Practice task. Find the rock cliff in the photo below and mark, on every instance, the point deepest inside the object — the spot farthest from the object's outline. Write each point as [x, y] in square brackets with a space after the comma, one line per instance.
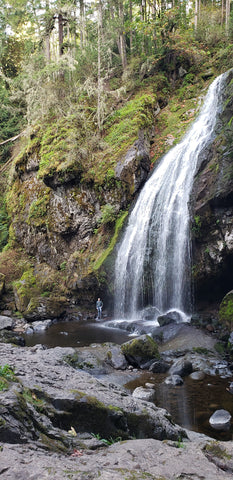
[212, 202]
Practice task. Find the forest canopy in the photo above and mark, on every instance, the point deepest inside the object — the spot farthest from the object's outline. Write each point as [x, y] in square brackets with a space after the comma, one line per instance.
[76, 57]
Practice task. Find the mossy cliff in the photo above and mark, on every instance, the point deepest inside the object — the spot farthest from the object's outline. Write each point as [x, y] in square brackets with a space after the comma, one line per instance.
[70, 190]
[68, 196]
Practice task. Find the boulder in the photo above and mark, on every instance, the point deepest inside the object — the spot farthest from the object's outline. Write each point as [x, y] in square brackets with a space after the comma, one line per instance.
[181, 367]
[147, 394]
[159, 366]
[197, 376]
[116, 358]
[220, 420]
[140, 350]
[6, 323]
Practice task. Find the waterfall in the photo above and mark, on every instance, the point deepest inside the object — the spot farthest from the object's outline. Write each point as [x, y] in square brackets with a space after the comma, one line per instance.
[153, 265]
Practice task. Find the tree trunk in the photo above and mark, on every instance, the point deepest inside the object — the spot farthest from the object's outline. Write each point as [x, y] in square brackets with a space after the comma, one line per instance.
[99, 92]
[227, 15]
[130, 33]
[60, 34]
[82, 24]
[121, 41]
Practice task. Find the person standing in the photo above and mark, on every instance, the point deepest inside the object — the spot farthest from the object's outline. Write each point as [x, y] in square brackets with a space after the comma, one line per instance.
[99, 306]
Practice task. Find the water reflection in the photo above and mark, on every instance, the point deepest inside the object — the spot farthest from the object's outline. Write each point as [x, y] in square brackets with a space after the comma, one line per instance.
[74, 334]
[192, 404]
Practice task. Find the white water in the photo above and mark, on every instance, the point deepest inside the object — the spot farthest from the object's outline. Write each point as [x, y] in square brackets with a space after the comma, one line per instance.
[153, 266]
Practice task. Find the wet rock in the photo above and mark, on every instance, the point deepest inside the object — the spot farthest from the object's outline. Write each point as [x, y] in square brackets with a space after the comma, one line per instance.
[159, 366]
[197, 376]
[6, 322]
[230, 388]
[41, 326]
[174, 380]
[168, 318]
[220, 420]
[181, 367]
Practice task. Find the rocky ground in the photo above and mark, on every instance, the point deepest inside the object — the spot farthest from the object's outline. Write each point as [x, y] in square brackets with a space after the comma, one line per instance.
[59, 421]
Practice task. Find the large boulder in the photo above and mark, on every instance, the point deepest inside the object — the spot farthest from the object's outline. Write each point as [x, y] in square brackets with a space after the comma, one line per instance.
[140, 350]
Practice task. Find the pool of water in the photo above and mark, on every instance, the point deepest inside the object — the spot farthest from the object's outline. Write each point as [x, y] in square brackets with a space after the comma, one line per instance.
[74, 334]
[192, 404]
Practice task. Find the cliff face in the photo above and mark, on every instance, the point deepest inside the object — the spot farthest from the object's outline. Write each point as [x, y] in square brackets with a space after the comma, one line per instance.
[66, 215]
[212, 227]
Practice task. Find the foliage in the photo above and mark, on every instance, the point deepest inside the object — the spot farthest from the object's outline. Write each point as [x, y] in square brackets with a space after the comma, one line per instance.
[127, 121]
[6, 375]
[109, 441]
[104, 254]
[108, 214]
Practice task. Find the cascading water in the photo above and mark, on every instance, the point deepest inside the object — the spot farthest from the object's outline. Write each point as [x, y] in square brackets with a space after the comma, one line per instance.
[153, 265]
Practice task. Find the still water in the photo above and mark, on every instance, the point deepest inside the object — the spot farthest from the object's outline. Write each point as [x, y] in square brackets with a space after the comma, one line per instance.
[74, 334]
[190, 405]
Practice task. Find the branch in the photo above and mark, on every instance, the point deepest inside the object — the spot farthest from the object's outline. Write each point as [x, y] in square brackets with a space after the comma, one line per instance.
[12, 139]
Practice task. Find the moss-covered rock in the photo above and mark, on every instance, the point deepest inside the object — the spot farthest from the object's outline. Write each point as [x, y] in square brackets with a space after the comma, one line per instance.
[226, 311]
[140, 350]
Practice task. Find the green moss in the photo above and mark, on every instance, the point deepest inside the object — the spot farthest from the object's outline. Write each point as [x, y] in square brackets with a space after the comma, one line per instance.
[127, 121]
[60, 150]
[201, 350]
[144, 347]
[104, 254]
[38, 208]
[30, 397]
